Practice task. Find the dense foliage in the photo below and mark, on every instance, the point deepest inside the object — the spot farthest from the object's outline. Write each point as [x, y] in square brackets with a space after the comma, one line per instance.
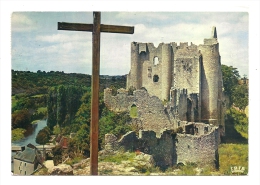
[113, 123]
[63, 103]
[239, 96]
[30, 92]
[21, 119]
[43, 136]
[31, 83]
[236, 120]
[237, 93]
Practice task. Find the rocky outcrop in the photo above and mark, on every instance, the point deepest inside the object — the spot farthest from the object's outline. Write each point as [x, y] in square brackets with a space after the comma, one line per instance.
[61, 169]
[139, 164]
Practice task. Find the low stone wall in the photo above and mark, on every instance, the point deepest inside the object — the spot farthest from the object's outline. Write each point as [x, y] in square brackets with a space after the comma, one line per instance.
[200, 147]
[169, 149]
[150, 109]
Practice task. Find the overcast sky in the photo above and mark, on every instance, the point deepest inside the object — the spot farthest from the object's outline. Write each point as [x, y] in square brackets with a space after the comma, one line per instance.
[38, 45]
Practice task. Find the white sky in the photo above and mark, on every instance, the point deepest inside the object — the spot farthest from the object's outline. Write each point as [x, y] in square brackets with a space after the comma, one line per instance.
[37, 45]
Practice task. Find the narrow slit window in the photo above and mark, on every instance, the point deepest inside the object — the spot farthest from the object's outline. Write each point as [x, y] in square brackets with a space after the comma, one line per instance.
[155, 61]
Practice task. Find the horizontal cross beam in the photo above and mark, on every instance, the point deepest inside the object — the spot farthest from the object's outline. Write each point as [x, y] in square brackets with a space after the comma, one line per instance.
[89, 27]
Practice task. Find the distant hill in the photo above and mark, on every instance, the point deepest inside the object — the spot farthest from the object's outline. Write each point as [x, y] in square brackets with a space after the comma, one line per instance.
[33, 83]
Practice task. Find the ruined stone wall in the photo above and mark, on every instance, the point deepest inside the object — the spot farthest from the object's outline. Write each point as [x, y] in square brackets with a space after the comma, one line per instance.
[184, 106]
[151, 68]
[150, 109]
[162, 148]
[187, 68]
[194, 109]
[179, 103]
[152, 114]
[168, 149]
[198, 147]
[119, 103]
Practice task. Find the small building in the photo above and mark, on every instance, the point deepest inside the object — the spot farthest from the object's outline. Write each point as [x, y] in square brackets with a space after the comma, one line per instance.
[63, 142]
[27, 161]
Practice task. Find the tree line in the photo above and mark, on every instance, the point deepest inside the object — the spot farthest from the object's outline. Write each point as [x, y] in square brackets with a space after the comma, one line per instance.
[31, 90]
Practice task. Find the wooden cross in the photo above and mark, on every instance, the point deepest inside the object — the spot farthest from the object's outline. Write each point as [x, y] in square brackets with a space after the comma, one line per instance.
[95, 28]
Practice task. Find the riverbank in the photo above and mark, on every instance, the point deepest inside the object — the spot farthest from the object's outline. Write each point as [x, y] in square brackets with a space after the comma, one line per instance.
[21, 133]
[24, 137]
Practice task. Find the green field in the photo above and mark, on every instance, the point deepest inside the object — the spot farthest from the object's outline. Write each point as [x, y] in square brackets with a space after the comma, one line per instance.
[18, 134]
[231, 155]
[42, 109]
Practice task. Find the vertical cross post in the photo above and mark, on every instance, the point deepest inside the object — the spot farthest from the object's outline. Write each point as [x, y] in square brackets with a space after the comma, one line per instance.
[95, 28]
[95, 94]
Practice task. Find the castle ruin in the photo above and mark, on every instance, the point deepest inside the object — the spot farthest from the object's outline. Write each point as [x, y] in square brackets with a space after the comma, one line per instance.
[169, 68]
[175, 86]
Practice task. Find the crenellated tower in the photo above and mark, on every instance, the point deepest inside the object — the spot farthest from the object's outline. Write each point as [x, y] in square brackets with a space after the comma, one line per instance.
[151, 68]
[134, 77]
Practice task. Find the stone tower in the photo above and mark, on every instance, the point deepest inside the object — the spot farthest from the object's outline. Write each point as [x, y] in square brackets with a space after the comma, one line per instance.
[171, 68]
[211, 81]
[151, 68]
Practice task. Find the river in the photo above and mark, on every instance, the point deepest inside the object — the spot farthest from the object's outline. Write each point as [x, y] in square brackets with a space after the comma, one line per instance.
[31, 138]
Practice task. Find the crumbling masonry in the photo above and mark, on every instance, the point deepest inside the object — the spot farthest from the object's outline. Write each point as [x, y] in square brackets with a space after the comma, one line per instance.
[175, 85]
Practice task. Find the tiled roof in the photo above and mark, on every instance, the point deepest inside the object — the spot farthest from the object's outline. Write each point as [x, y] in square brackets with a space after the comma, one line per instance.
[27, 155]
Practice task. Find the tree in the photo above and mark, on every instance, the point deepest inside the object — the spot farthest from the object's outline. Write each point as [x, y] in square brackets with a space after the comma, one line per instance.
[43, 136]
[57, 153]
[62, 103]
[230, 80]
[240, 96]
[82, 139]
[21, 119]
[114, 123]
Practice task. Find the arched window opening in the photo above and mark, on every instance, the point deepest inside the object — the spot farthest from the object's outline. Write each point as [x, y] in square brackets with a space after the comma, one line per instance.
[155, 78]
[133, 111]
[155, 61]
